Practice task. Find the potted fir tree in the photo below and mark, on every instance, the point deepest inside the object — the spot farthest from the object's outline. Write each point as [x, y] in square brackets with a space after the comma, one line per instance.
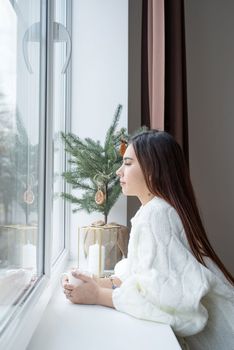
[93, 174]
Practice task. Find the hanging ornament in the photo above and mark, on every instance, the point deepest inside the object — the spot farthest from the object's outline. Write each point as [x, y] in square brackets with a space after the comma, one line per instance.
[123, 146]
[28, 196]
[100, 197]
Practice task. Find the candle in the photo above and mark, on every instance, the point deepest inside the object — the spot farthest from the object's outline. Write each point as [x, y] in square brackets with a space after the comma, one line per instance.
[29, 256]
[94, 259]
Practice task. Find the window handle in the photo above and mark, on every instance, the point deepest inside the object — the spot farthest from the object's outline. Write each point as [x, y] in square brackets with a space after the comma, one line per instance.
[60, 34]
[32, 34]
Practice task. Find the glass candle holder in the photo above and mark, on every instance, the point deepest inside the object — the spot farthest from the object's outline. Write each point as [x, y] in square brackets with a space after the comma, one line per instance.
[98, 249]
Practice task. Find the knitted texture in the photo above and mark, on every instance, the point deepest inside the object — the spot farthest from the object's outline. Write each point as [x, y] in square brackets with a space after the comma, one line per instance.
[163, 281]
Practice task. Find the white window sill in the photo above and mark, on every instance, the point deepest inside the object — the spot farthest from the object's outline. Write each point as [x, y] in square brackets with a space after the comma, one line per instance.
[65, 325]
[19, 332]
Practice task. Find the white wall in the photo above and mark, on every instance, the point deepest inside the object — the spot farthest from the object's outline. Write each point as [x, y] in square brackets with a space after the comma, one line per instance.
[99, 82]
[210, 82]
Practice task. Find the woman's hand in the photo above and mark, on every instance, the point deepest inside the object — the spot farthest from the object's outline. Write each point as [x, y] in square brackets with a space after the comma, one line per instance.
[90, 292]
[87, 293]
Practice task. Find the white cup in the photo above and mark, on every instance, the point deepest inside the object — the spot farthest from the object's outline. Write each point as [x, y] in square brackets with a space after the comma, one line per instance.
[73, 280]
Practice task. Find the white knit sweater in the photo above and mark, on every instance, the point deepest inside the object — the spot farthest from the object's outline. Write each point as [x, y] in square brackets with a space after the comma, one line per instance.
[163, 281]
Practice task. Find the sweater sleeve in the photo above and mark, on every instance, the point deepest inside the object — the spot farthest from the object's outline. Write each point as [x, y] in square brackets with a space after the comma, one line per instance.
[167, 283]
[121, 269]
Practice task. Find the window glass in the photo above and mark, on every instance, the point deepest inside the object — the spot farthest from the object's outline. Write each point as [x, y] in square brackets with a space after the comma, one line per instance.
[20, 192]
[25, 146]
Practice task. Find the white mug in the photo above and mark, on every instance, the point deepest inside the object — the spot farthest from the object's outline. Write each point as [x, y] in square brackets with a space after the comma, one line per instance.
[73, 280]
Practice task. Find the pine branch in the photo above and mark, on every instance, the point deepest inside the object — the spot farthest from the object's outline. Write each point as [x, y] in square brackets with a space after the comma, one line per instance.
[93, 167]
[113, 126]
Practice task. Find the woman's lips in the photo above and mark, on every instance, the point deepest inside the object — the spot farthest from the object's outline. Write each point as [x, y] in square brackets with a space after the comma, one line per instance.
[122, 183]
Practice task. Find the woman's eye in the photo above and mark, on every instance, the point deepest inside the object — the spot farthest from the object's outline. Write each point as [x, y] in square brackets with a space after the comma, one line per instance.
[127, 163]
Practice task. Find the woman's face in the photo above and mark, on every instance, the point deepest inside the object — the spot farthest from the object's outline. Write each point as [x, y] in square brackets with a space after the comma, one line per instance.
[131, 176]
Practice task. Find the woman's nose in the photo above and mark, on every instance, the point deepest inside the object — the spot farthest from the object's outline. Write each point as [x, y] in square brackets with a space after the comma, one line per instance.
[118, 171]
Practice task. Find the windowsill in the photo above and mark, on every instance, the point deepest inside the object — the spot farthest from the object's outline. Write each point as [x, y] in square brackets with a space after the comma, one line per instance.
[95, 327]
[22, 326]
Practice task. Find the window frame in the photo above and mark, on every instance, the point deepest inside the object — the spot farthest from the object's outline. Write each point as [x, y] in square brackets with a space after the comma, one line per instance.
[19, 328]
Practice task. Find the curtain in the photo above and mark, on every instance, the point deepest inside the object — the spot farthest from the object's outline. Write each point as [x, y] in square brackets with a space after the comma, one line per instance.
[176, 114]
[153, 64]
[164, 97]
[145, 110]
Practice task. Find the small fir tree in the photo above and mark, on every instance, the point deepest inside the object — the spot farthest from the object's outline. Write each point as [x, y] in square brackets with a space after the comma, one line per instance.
[93, 169]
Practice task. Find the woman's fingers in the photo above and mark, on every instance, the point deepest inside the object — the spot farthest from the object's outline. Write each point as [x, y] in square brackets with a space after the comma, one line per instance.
[68, 286]
[68, 294]
[64, 280]
[82, 277]
[86, 293]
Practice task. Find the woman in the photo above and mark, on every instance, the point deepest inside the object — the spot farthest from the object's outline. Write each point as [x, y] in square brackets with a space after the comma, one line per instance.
[171, 275]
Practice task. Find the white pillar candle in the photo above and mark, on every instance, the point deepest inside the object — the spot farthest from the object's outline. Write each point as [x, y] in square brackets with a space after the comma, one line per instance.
[29, 256]
[94, 259]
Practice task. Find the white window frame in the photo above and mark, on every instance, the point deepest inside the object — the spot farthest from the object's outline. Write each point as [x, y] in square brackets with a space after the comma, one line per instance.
[20, 328]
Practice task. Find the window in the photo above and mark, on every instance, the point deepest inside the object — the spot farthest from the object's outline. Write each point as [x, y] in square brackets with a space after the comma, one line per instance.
[35, 46]
[61, 57]
[20, 226]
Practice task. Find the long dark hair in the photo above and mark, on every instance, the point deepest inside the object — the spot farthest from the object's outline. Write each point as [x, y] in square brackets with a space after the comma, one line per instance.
[166, 174]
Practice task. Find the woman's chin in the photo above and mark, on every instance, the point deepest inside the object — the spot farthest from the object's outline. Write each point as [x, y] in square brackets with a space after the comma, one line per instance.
[124, 191]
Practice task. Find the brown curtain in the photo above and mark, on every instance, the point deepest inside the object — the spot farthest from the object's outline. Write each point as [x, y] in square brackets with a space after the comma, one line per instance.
[176, 114]
[164, 98]
[153, 64]
[145, 111]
